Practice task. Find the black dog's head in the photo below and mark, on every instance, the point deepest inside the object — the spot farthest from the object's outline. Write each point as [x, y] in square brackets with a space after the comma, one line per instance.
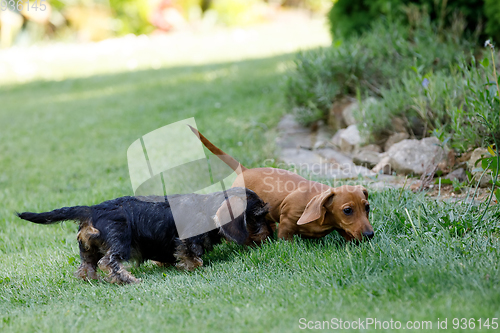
[242, 217]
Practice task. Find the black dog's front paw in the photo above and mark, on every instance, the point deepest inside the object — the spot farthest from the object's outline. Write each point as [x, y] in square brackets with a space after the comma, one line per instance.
[189, 264]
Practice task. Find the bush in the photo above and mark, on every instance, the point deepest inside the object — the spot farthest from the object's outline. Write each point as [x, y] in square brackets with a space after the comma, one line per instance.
[348, 17]
[492, 13]
[450, 105]
[430, 81]
[354, 16]
[367, 64]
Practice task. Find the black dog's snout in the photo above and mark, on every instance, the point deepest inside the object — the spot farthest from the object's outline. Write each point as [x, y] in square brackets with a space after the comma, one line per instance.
[368, 234]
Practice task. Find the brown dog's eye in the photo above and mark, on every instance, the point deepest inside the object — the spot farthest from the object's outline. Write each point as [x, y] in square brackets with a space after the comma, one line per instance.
[367, 208]
[348, 211]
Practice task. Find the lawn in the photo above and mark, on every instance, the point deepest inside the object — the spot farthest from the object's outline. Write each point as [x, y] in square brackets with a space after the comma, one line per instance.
[64, 143]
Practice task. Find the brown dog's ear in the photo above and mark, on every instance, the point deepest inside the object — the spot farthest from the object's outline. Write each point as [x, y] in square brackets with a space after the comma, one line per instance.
[364, 190]
[233, 227]
[316, 209]
[365, 193]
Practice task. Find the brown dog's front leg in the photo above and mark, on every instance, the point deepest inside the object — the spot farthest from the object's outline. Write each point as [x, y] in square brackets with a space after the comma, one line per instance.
[286, 229]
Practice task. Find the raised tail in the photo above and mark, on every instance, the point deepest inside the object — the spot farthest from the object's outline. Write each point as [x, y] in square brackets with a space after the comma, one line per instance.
[77, 213]
[229, 160]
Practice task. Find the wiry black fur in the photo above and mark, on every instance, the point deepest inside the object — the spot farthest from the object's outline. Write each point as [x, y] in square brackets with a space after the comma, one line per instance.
[143, 228]
[58, 215]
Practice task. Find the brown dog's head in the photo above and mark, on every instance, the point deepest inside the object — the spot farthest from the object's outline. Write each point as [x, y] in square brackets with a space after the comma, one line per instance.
[344, 208]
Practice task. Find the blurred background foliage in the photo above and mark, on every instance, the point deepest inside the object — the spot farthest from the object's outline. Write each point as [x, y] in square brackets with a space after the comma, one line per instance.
[349, 17]
[94, 20]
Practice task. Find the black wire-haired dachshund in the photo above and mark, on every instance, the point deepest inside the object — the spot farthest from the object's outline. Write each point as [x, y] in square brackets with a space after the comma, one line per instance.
[142, 228]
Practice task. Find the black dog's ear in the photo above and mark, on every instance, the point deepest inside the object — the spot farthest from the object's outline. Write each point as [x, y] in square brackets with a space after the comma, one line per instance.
[231, 219]
[263, 209]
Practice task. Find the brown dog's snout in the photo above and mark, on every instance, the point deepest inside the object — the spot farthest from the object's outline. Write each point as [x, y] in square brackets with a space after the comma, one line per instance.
[368, 234]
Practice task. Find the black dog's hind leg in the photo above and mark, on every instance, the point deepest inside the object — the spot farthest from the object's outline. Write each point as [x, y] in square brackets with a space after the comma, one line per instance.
[111, 263]
[89, 252]
[118, 244]
[88, 266]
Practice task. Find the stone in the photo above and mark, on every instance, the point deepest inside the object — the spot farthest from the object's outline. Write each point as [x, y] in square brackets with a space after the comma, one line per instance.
[340, 166]
[395, 138]
[383, 167]
[368, 156]
[347, 140]
[292, 134]
[301, 160]
[289, 124]
[476, 155]
[371, 147]
[383, 185]
[416, 156]
[465, 157]
[471, 166]
[449, 164]
[335, 116]
[348, 113]
[324, 162]
[458, 174]
[398, 125]
[351, 109]
[322, 136]
[333, 156]
[342, 112]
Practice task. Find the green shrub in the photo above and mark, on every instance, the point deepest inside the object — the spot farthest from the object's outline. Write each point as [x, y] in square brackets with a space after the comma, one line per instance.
[492, 13]
[348, 17]
[425, 78]
[450, 105]
[354, 16]
[367, 65]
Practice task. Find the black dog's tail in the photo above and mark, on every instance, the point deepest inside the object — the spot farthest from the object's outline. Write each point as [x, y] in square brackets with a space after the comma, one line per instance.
[77, 213]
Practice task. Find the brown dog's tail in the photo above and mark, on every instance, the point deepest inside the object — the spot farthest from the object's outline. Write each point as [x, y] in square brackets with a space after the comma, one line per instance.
[230, 161]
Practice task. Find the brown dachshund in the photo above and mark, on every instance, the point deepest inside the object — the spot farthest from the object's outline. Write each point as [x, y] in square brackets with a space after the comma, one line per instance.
[300, 206]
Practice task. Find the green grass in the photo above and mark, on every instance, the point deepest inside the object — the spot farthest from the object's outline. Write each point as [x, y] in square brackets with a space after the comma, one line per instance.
[64, 143]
